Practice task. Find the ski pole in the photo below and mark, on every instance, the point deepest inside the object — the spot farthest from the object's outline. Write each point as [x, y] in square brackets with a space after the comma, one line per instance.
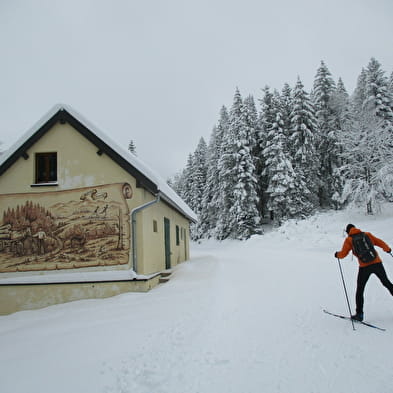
[346, 293]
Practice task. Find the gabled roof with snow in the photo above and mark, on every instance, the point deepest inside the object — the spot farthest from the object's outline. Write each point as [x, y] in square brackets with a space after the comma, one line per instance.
[145, 176]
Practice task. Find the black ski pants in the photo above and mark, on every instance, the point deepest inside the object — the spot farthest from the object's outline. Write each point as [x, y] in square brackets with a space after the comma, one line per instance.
[363, 276]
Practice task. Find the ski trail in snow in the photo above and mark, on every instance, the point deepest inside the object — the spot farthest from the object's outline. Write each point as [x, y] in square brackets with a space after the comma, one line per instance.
[218, 347]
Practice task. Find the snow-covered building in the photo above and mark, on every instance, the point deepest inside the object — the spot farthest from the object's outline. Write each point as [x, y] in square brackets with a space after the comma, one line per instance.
[81, 217]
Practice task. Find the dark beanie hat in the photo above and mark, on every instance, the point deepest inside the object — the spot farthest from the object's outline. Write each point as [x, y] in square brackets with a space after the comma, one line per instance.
[349, 226]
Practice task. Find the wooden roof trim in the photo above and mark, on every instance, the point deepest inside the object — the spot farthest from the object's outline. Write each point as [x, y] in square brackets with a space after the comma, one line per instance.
[22, 150]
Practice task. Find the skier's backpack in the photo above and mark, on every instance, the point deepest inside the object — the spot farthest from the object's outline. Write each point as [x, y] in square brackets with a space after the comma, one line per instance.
[363, 247]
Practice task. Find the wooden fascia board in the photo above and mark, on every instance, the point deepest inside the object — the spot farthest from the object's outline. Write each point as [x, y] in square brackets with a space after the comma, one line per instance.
[21, 151]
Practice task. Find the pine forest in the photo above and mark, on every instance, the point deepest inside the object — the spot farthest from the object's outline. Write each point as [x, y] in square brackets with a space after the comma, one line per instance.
[293, 153]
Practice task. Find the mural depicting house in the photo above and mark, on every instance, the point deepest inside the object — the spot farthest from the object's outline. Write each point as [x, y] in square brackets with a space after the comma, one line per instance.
[80, 217]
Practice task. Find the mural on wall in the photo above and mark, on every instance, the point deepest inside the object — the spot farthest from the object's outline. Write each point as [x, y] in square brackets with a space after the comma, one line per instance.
[65, 229]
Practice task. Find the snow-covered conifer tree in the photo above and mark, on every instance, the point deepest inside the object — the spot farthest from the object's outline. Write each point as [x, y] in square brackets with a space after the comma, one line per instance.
[391, 83]
[226, 167]
[266, 120]
[378, 98]
[359, 95]
[341, 108]
[244, 209]
[324, 89]
[367, 142]
[268, 111]
[239, 216]
[199, 171]
[175, 182]
[340, 104]
[212, 193]
[304, 155]
[132, 147]
[253, 122]
[368, 168]
[278, 171]
[286, 110]
[256, 153]
[185, 182]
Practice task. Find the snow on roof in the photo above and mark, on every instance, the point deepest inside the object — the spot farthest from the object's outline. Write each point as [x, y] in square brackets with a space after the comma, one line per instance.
[164, 190]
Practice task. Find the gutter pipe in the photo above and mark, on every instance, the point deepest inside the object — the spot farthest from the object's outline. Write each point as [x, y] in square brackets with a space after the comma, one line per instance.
[133, 226]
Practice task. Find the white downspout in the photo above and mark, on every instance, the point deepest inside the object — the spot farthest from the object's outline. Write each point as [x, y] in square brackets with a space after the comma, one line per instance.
[133, 229]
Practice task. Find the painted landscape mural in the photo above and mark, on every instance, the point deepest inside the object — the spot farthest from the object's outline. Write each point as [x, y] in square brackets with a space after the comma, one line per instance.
[65, 229]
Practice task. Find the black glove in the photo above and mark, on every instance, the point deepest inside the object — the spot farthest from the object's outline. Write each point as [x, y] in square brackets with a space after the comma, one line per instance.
[335, 254]
[389, 251]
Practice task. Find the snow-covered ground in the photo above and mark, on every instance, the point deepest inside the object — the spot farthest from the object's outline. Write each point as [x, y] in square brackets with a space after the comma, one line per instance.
[240, 317]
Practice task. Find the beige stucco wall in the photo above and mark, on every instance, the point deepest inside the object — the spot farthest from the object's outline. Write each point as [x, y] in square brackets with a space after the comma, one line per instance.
[153, 257]
[80, 166]
[15, 298]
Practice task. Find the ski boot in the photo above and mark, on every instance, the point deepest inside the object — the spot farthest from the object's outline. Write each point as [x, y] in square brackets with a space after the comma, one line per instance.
[358, 316]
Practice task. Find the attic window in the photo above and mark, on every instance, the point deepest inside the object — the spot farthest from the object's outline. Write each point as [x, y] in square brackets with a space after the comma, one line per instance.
[45, 168]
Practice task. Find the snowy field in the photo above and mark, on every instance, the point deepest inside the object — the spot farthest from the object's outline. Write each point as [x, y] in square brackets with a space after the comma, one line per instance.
[240, 317]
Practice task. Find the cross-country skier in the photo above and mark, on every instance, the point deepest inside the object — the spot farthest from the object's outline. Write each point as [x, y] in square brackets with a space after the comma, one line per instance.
[365, 269]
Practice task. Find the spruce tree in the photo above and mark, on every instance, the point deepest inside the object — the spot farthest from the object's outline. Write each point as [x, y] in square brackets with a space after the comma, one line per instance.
[340, 104]
[176, 183]
[278, 171]
[324, 88]
[199, 171]
[132, 147]
[367, 142]
[359, 95]
[378, 98]
[367, 161]
[304, 156]
[266, 120]
[212, 192]
[239, 217]
[226, 173]
[341, 108]
[391, 83]
[252, 121]
[244, 210]
[286, 110]
[186, 183]
[254, 125]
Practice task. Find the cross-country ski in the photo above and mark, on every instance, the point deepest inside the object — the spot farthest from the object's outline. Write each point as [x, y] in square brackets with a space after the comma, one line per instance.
[354, 320]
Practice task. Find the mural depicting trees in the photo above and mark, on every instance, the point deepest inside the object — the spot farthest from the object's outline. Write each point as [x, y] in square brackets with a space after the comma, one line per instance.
[30, 215]
[65, 230]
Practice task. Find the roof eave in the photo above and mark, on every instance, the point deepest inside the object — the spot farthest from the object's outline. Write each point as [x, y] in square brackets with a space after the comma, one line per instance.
[191, 217]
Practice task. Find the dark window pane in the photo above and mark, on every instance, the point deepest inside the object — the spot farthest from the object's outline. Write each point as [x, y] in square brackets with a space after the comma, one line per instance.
[46, 167]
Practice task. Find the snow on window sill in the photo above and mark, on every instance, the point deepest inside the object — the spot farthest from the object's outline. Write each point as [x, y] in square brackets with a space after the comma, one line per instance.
[48, 184]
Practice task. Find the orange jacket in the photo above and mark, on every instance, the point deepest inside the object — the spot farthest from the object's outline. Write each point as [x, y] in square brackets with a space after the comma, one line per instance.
[347, 246]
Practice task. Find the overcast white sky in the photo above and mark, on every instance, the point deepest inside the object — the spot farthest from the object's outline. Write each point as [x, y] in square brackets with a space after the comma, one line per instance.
[158, 72]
